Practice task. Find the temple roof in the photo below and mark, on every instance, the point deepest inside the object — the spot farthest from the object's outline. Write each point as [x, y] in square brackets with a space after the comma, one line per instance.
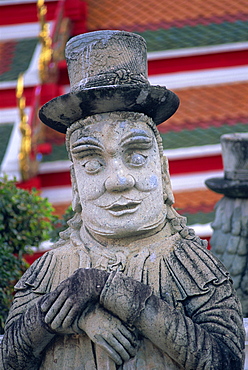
[153, 13]
[196, 48]
[5, 132]
[15, 57]
[173, 24]
[206, 107]
[196, 205]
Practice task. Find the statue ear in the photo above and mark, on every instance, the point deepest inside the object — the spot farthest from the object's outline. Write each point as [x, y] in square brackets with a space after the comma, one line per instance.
[76, 204]
[167, 189]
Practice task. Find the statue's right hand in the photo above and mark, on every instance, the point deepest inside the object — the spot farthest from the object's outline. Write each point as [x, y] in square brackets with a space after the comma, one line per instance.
[109, 333]
[67, 302]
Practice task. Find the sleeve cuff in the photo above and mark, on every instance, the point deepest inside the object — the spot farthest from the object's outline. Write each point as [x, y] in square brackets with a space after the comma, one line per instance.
[124, 297]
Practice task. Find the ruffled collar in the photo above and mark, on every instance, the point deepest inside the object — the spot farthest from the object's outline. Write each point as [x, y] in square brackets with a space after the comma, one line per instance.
[115, 258]
[171, 264]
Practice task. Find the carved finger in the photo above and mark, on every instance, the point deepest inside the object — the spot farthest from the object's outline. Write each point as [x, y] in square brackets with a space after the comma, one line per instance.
[60, 317]
[54, 309]
[118, 346]
[130, 347]
[48, 300]
[110, 351]
[129, 334]
[70, 317]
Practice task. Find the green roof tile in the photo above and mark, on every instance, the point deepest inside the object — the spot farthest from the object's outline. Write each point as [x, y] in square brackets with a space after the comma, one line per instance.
[19, 58]
[5, 132]
[196, 36]
[199, 218]
[58, 153]
[198, 137]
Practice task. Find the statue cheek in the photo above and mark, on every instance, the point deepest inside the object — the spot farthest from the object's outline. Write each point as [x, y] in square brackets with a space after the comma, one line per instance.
[148, 183]
[91, 191]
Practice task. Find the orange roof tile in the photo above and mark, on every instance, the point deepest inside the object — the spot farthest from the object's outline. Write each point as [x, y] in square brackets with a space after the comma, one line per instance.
[210, 103]
[106, 14]
[196, 198]
[59, 209]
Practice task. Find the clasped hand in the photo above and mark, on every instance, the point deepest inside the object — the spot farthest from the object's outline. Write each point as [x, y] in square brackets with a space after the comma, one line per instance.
[63, 306]
[73, 308]
[109, 333]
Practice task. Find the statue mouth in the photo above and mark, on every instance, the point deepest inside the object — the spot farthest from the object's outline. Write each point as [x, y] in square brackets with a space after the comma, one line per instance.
[121, 207]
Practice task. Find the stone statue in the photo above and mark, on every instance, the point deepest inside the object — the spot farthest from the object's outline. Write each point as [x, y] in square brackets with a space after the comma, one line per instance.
[229, 241]
[128, 286]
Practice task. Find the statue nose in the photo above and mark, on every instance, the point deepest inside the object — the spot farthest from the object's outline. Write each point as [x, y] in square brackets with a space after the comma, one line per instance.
[119, 183]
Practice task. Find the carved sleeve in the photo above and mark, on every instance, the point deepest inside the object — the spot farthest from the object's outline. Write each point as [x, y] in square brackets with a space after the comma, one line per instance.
[25, 340]
[27, 333]
[25, 337]
[208, 336]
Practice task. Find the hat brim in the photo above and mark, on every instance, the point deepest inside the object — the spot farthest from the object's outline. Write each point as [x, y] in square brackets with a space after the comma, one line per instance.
[230, 188]
[155, 101]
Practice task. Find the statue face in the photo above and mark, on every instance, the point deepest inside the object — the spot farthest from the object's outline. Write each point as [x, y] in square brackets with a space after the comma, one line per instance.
[118, 174]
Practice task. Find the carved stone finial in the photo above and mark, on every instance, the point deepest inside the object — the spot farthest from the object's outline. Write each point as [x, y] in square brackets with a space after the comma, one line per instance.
[234, 184]
[229, 241]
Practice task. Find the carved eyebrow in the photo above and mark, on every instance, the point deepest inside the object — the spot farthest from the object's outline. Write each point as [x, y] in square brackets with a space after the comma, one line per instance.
[136, 136]
[86, 143]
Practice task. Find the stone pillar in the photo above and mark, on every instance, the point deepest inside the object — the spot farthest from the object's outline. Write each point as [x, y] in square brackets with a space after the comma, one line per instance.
[229, 241]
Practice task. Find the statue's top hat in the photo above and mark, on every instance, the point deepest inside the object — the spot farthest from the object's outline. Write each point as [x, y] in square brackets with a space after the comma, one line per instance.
[235, 160]
[107, 72]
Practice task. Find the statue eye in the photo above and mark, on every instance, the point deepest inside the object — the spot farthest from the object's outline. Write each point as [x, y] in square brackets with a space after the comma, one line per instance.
[136, 159]
[92, 166]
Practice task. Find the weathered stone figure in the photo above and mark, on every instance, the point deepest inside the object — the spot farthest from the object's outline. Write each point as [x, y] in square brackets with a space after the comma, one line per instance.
[128, 286]
[229, 241]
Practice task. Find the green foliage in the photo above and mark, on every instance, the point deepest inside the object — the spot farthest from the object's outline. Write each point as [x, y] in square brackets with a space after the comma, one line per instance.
[61, 224]
[26, 219]
[11, 269]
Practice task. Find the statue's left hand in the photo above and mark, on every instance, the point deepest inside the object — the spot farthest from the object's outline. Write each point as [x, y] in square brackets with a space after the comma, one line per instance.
[68, 301]
[109, 333]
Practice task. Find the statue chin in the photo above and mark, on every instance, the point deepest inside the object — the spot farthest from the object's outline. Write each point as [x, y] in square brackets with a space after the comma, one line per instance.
[126, 232]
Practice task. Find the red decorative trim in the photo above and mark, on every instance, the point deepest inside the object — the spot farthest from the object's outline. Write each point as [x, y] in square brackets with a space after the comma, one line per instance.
[8, 97]
[194, 165]
[76, 10]
[48, 92]
[55, 179]
[30, 258]
[25, 13]
[198, 62]
[63, 77]
[44, 148]
[30, 184]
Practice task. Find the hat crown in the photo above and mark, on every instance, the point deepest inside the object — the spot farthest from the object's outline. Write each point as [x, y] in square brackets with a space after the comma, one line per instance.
[108, 73]
[235, 156]
[106, 58]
